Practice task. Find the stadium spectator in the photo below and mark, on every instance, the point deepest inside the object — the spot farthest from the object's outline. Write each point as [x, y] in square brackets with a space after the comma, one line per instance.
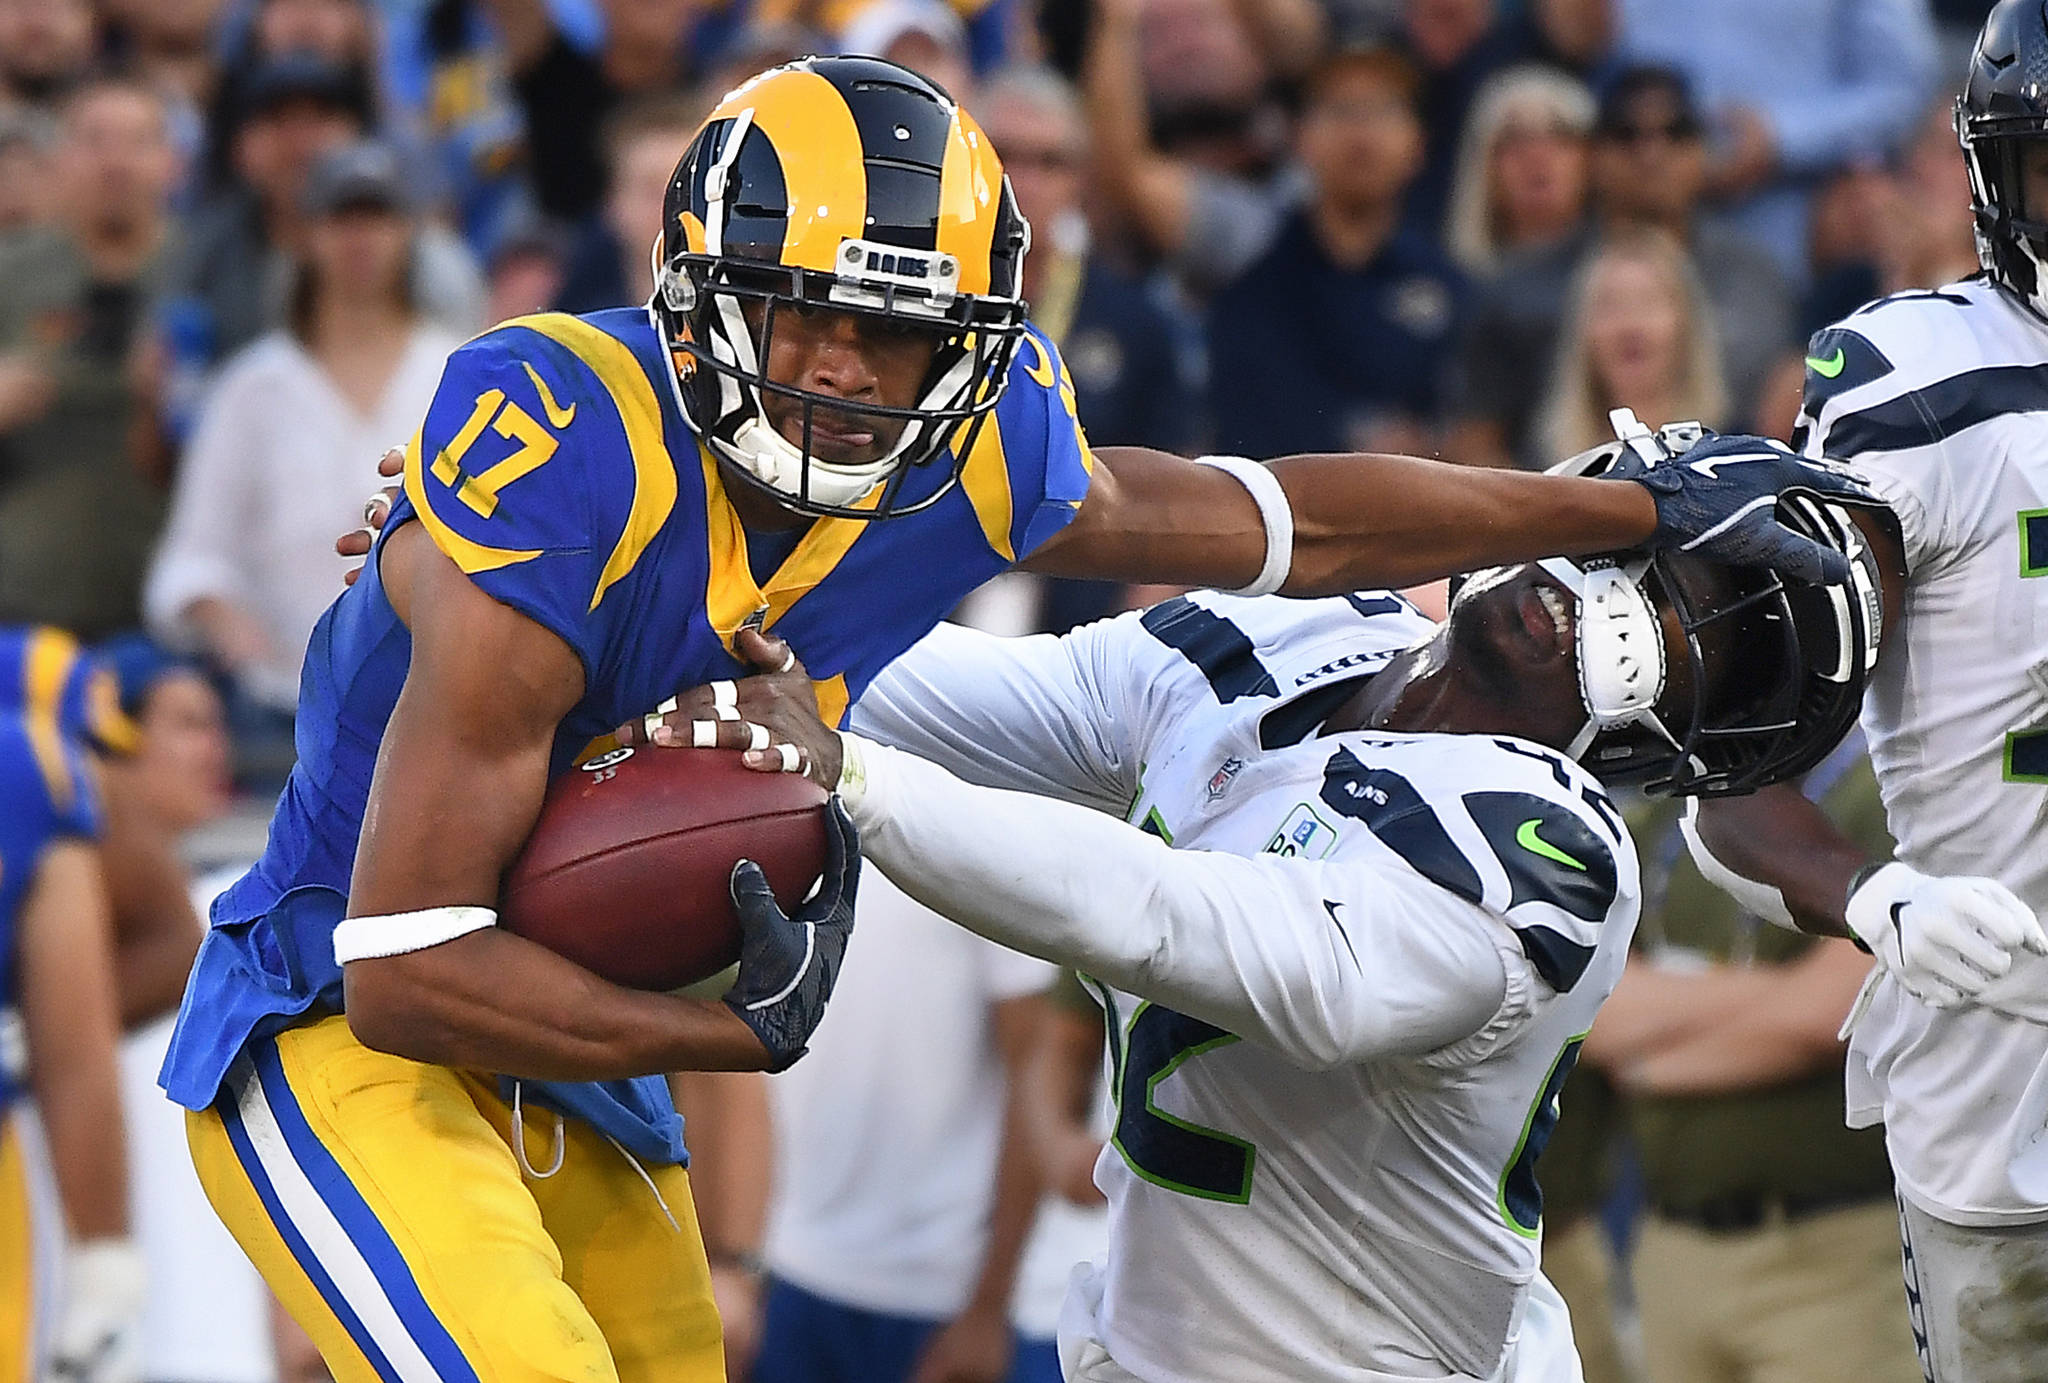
[1648, 168]
[1457, 46]
[77, 515]
[1068, 1113]
[1831, 84]
[568, 83]
[25, 139]
[1638, 335]
[524, 273]
[285, 449]
[241, 263]
[905, 1184]
[45, 47]
[1649, 159]
[173, 780]
[1333, 341]
[926, 36]
[335, 32]
[1521, 177]
[446, 78]
[1191, 168]
[610, 262]
[1132, 353]
[1770, 1247]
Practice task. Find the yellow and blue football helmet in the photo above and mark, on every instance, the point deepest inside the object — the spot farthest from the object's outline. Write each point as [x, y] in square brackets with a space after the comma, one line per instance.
[854, 185]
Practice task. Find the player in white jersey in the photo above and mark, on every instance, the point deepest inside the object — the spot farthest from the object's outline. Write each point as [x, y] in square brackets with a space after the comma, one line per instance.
[1940, 399]
[1341, 1007]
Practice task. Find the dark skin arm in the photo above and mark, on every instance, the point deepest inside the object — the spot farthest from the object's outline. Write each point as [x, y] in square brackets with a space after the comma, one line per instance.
[156, 930]
[1777, 836]
[976, 1346]
[1359, 521]
[459, 781]
[67, 1009]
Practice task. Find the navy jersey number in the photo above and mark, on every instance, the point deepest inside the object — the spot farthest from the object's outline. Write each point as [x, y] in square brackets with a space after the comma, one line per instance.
[1166, 1150]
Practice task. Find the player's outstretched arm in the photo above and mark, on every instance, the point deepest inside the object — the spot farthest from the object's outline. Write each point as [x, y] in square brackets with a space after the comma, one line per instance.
[1365, 521]
[1325, 964]
[459, 782]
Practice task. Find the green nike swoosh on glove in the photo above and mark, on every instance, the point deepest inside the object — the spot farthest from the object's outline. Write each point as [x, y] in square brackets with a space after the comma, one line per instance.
[1827, 367]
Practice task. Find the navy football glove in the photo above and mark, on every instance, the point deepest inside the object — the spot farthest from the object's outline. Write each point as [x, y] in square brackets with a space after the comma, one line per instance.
[1719, 498]
[788, 964]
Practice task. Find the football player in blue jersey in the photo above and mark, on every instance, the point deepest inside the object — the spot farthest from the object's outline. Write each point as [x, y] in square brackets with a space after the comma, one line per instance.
[832, 421]
[44, 672]
[59, 1027]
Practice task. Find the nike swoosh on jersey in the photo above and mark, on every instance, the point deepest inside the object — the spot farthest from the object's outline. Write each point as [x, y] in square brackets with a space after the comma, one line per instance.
[558, 416]
[1827, 367]
[1526, 837]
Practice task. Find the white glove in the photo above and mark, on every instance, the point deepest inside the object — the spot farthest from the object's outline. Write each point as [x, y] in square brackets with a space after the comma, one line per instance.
[1944, 939]
[99, 1334]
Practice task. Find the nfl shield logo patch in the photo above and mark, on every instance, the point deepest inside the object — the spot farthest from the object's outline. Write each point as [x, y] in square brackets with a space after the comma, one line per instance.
[1221, 778]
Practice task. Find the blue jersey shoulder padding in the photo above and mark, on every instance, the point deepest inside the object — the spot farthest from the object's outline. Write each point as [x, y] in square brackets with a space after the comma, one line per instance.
[556, 471]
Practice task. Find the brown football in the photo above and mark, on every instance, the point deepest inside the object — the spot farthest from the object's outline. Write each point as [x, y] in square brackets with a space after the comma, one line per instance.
[628, 871]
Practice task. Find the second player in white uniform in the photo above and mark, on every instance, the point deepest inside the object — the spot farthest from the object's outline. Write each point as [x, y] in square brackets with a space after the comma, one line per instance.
[1940, 399]
[1347, 898]
[1349, 1192]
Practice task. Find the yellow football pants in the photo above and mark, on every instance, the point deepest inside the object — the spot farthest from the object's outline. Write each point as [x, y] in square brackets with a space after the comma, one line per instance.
[17, 1261]
[381, 1200]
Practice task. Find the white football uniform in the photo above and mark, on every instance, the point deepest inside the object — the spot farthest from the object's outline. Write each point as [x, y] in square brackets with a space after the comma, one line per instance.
[1941, 399]
[1340, 1008]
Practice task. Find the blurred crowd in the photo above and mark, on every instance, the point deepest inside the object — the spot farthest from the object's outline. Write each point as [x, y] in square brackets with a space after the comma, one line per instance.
[239, 237]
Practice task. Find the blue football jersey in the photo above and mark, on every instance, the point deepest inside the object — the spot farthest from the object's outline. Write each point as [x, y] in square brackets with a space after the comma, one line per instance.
[556, 470]
[45, 795]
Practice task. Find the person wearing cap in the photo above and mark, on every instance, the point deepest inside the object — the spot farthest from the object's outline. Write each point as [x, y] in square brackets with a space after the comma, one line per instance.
[278, 457]
[235, 279]
[77, 514]
[45, 47]
[1333, 340]
[1649, 170]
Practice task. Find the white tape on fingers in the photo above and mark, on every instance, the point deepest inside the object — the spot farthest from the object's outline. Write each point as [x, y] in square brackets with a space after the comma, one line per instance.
[725, 693]
[757, 736]
[788, 660]
[725, 712]
[703, 734]
[792, 758]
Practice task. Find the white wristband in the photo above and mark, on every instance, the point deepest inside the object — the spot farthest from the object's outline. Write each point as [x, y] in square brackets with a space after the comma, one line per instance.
[852, 786]
[1274, 512]
[365, 938]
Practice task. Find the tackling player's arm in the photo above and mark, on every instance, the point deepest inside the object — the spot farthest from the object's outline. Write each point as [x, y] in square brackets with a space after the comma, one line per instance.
[1779, 855]
[1361, 521]
[1322, 963]
[458, 785]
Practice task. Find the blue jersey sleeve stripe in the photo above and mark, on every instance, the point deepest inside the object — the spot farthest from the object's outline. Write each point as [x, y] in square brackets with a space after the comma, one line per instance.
[639, 410]
[358, 1222]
